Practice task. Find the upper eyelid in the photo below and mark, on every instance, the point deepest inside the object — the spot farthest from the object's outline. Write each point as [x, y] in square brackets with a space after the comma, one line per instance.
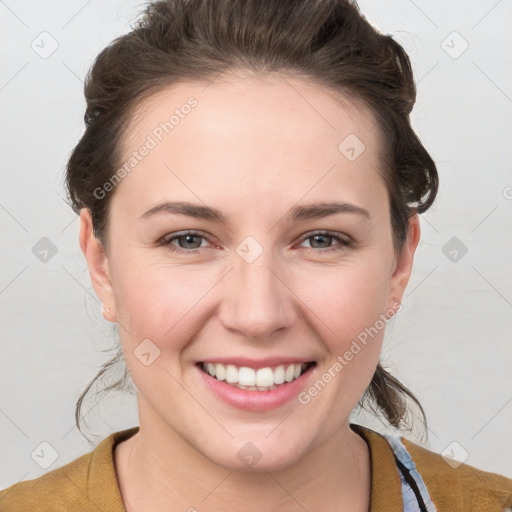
[326, 232]
[180, 234]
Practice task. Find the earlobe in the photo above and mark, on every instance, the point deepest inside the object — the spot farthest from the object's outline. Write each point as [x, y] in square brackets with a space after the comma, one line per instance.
[404, 261]
[107, 315]
[97, 263]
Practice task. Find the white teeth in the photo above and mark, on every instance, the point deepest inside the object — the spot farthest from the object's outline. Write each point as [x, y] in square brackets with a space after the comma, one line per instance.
[231, 374]
[263, 379]
[220, 372]
[288, 374]
[279, 375]
[246, 376]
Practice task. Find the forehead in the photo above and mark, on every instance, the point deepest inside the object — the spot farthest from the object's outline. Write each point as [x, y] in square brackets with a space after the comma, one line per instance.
[243, 104]
[277, 133]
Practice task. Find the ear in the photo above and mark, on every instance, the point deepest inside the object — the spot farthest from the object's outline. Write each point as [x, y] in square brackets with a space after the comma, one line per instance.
[97, 262]
[403, 267]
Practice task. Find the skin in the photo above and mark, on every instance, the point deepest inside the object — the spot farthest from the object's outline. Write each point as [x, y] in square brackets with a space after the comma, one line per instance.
[254, 148]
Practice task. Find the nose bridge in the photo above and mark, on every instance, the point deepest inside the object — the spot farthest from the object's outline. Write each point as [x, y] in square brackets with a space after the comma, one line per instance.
[256, 303]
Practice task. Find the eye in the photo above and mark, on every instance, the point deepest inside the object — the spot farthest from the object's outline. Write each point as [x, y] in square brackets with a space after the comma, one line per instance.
[187, 241]
[325, 238]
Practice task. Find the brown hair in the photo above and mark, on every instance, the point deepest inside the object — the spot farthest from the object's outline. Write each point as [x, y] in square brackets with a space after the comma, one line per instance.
[327, 42]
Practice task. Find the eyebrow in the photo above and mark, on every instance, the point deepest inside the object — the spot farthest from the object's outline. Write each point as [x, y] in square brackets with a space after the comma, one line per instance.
[315, 210]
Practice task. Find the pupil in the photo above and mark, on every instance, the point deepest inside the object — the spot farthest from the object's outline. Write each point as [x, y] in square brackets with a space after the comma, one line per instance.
[321, 236]
[187, 239]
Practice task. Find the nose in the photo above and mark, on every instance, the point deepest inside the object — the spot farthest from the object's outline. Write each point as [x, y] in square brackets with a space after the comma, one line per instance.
[257, 301]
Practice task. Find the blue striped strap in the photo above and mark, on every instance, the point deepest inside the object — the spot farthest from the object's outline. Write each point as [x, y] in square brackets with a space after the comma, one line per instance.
[415, 495]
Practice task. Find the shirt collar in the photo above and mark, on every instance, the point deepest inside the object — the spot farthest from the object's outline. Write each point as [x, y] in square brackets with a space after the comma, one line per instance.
[386, 491]
[103, 483]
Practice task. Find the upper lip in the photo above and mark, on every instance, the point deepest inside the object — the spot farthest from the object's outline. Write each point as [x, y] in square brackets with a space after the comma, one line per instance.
[257, 363]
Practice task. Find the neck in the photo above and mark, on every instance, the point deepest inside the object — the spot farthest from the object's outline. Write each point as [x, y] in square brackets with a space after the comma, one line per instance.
[158, 470]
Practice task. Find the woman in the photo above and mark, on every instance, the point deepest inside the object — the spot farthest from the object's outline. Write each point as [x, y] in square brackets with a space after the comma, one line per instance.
[249, 187]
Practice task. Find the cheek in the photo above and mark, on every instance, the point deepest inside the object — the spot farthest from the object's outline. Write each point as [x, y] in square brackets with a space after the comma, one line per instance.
[346, 299]
[160, 301]
[158, 317]
[349, 304]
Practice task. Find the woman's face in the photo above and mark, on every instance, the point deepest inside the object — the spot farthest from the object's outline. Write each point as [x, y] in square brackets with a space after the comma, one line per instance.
[249, 288]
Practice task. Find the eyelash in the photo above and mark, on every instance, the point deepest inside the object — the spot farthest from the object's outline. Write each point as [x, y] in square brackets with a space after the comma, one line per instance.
[344, 244]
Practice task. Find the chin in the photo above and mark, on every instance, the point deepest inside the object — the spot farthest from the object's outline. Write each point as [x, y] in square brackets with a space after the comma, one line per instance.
[258, 455]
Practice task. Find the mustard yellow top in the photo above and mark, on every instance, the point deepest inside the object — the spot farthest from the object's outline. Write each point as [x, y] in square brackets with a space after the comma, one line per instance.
[89, 483]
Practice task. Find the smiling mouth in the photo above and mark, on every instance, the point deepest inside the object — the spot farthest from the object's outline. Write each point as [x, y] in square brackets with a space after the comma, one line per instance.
[263, 379]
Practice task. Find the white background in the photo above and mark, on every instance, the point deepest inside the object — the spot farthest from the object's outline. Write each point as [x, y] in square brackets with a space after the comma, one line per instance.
[451, 344]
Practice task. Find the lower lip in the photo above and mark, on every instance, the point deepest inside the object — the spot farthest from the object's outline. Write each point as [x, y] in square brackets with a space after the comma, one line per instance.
[256, 400]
